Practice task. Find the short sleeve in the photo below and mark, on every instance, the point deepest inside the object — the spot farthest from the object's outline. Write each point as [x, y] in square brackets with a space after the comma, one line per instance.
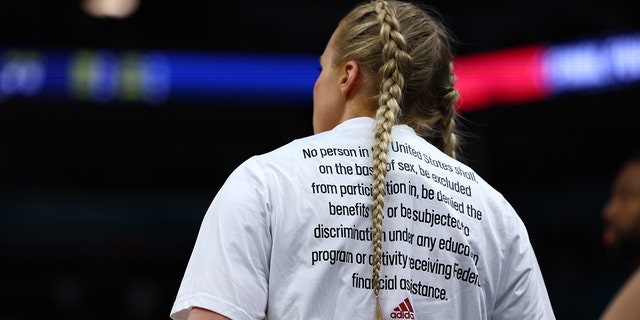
[229, 265]
[522, 291]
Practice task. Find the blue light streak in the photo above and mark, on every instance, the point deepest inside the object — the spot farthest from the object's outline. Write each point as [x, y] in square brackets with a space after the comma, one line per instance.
[158, 77]
[593, 64]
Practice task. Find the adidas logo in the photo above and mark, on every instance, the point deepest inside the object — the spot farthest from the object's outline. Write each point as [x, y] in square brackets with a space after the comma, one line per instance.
[403, 311]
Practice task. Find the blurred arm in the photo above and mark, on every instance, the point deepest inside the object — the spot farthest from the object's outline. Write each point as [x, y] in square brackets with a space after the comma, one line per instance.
[625, 304]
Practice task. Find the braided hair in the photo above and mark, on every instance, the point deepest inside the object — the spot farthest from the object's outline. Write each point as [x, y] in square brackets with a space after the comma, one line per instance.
[408, 50]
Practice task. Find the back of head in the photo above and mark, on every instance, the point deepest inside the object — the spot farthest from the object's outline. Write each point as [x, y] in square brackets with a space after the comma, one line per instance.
[410, 50]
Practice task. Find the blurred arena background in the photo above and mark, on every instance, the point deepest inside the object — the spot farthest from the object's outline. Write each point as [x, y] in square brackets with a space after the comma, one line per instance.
[120, 119]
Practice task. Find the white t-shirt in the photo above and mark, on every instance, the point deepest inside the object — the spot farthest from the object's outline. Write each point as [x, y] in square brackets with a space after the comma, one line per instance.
[288, 236]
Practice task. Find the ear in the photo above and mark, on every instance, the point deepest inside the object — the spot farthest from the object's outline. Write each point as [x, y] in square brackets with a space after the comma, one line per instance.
[350, 77]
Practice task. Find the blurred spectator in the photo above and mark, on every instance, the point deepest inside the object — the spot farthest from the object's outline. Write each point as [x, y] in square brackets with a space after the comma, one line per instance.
[621, 214]
[621, 237]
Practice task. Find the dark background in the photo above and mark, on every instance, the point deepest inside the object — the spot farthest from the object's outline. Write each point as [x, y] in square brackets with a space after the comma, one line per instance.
[100, 204]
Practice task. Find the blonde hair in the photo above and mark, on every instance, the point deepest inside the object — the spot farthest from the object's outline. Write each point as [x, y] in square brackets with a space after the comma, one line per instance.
[409, 50]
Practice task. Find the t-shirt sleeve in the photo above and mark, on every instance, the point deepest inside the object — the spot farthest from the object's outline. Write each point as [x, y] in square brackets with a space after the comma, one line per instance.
[229, 265]
[522, 292]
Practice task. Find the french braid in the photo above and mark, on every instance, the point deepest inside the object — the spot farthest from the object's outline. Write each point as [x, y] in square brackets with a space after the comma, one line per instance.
[395, 61]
